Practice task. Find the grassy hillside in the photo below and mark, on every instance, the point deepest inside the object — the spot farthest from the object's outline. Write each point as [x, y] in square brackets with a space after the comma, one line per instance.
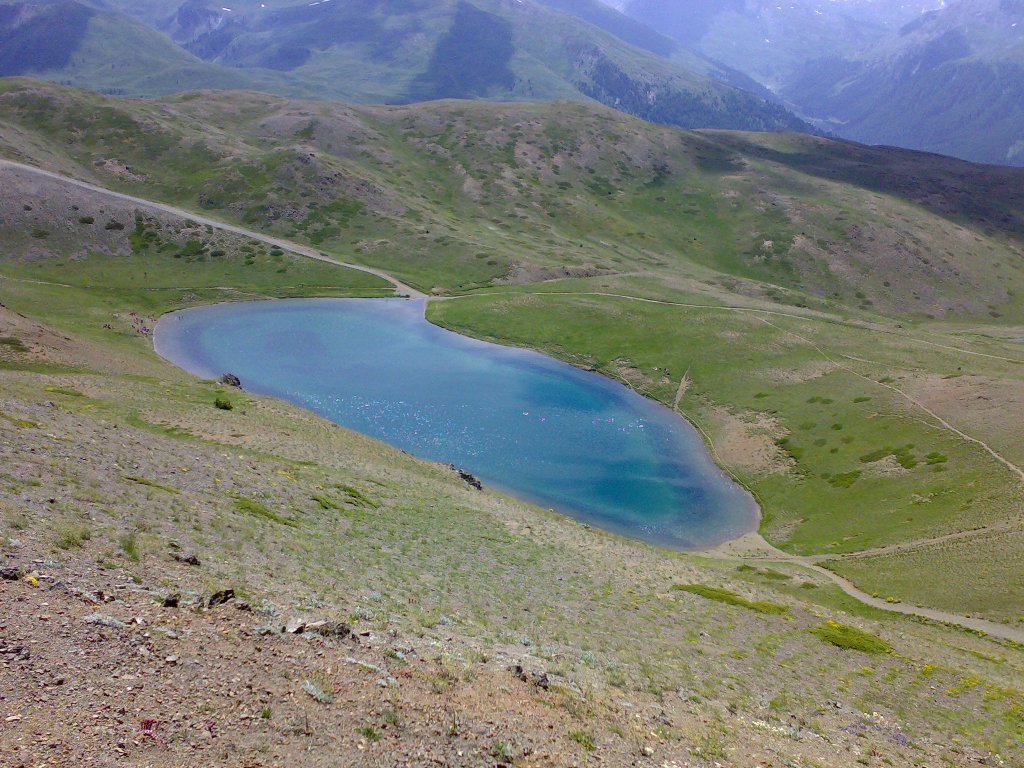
[833, 316]
[483, 630]
[463, 195]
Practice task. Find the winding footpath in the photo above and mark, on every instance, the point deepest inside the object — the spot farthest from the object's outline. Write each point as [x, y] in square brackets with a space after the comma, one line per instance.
[760, 550]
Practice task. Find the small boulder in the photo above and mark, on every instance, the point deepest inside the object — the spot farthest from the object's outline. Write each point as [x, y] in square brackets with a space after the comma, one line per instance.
[467, 477]
[231, 380]
[105, 621]
[172, 600]
[190, 559]
[335, 629]
[11, 574]
[219, 598]
[537, 677]
[295, 626]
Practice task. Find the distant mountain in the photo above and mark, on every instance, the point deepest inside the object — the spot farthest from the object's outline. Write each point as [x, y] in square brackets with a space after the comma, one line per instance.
[643, 36]
[383, 51]
[950, 82]
[417, 50]
[767, 39]
[937, 75]
[107, 51]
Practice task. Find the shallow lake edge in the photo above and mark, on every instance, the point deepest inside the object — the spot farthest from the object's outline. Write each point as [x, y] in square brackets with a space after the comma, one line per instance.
[734, 543]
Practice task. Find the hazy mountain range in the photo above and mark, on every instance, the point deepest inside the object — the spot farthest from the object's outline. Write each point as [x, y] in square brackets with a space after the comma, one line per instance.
[940, 75]
[391, 51]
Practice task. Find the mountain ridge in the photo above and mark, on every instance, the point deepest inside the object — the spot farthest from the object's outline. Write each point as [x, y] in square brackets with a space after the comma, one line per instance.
[400, 51]
[935, 76]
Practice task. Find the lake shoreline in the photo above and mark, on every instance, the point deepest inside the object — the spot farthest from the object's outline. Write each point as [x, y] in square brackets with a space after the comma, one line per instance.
[169, 345]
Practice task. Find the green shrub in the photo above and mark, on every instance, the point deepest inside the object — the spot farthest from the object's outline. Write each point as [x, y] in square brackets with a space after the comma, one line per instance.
[150, 483]
[130, 547]
[850, 638]
[731, 598]
[223, 403]
[256, 509]
[325, 503]
[873, 456]
[72, 534]
[844, 480]
[86, 220]
[584, 739]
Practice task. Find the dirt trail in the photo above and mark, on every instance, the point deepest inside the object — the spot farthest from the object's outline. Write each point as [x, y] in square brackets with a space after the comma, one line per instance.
[945, 424]
[979, 625]
[907, 546]
[287, 245]
[754, 548]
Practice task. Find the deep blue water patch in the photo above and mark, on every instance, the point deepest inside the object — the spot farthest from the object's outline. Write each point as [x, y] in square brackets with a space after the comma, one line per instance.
[525, 423]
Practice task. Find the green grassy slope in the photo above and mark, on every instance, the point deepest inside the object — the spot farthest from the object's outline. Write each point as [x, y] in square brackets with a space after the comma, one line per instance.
[695, 657]
[449, 195]
[895, 283]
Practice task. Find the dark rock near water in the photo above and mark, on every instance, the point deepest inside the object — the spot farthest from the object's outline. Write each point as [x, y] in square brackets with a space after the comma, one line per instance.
[468, 477]
[231, 380]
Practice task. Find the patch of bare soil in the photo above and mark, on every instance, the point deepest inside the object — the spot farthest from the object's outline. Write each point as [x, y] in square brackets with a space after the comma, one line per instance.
[887, 466]
[101, 671]
[801, 375]
[747, 442]
[978, 405]
[22, 339]
[119, 170]
[522, 273]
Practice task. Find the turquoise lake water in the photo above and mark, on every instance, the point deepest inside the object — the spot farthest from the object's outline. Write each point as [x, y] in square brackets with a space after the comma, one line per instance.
[520, 421]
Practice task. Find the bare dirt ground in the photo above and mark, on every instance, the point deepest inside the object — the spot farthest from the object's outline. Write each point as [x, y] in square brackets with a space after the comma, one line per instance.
[981, 404]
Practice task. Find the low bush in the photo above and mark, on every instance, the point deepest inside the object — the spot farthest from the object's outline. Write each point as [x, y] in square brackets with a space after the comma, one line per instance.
[731, 598]
[850, 638]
